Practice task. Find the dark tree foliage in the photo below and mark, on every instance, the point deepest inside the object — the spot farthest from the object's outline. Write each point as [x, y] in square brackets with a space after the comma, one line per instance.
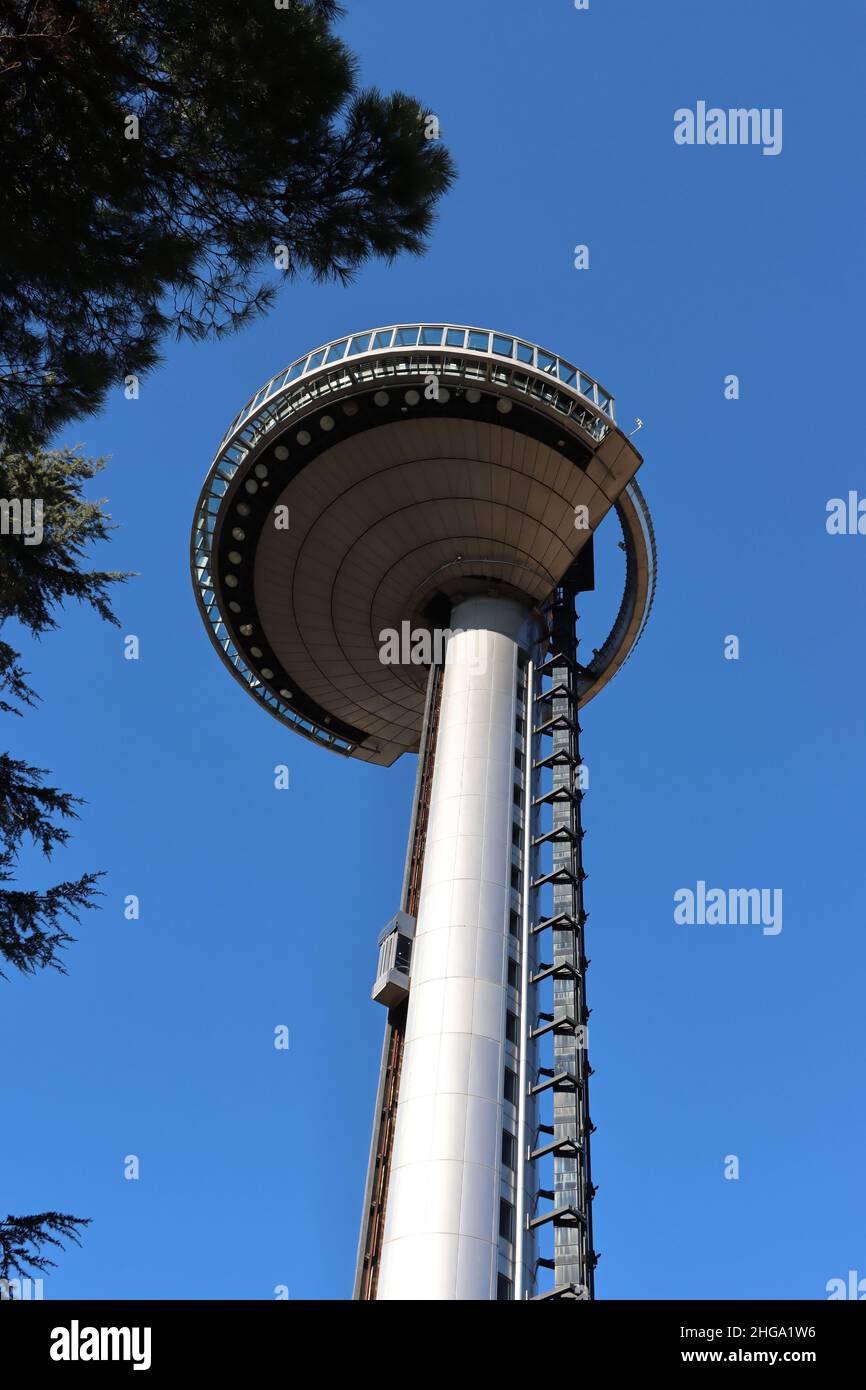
[27, 807]
[23, 1238]
[252, 134]
[34, 580]
[33, 924]
[13, 680]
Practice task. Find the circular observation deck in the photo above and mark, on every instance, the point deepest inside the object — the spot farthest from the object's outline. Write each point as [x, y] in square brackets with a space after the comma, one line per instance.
[383, 478]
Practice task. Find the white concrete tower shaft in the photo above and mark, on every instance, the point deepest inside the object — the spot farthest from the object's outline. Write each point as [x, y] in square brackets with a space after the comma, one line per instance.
[452, 1203]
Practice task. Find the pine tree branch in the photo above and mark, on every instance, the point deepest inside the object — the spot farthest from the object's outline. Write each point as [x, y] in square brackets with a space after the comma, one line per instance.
[22, 1239]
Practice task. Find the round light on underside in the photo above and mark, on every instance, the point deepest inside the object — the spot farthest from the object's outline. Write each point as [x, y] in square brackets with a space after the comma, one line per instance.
[304, 436]
[503, 405]
[231, 581]
[381, 398]
[235, 607]
[350, 408]
[443, 396]
[261, 470]
[251, 485]
[286, 694]
[411, 398]
[235, 557]
[267, 673]
[246, 629]
[243, 509]
[473, 395]
[238, 534]
[327, 422]
[281, 452]
[256, 652]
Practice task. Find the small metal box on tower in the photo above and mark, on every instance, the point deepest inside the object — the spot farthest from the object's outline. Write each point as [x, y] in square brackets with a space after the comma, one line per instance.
[395, 959]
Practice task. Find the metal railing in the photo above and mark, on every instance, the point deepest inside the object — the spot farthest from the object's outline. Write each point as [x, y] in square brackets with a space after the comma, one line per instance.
[399, 336]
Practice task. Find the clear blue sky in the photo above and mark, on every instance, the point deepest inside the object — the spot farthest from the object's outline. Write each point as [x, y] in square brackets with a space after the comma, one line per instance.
[261, 907]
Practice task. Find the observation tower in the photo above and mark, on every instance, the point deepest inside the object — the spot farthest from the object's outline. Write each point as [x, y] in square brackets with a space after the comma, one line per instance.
[386, 553]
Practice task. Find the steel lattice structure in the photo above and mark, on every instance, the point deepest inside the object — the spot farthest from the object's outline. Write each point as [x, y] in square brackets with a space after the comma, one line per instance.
[567, 1080]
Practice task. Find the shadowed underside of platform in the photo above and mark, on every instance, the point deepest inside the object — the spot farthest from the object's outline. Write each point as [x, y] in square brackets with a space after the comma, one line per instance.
[382, 492]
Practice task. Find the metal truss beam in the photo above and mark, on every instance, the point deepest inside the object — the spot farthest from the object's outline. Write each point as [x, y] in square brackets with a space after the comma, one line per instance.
[566, 1080]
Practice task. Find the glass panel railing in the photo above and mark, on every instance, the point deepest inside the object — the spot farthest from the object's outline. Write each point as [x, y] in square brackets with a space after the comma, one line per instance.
[263, 410]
